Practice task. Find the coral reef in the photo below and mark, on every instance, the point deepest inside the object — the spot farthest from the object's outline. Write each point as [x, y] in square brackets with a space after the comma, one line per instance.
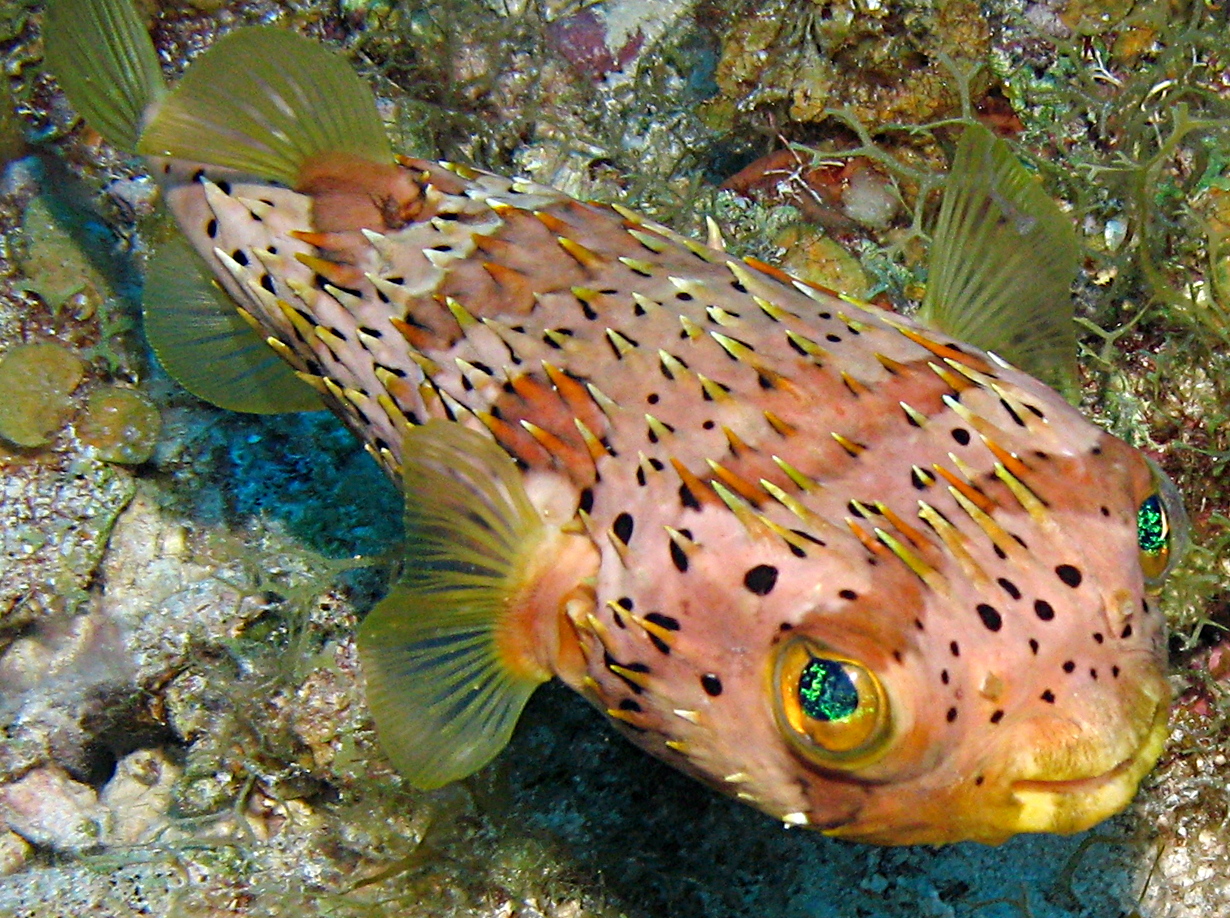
[184, 725]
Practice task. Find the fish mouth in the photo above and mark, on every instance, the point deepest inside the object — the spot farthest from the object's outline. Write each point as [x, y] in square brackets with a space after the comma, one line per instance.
[1066, 805]
[1077, 785]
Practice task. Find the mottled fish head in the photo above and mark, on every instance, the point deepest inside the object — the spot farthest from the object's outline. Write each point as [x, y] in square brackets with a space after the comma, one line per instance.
[992, 665]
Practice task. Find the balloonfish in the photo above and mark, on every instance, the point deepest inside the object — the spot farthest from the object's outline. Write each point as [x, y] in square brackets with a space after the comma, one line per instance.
[853, 568]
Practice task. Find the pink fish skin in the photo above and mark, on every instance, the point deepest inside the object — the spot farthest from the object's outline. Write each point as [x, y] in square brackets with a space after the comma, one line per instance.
[759, 462]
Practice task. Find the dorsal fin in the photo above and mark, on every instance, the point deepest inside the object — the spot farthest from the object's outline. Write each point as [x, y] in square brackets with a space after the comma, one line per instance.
[1003, 257]
[206, 346]
[104, 60]
[265, 101]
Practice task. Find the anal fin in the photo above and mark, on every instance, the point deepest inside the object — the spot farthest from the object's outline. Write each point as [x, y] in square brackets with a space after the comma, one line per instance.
[206, 346]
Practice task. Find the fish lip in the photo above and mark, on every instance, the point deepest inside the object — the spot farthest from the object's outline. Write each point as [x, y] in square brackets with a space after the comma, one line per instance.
[1078, 785]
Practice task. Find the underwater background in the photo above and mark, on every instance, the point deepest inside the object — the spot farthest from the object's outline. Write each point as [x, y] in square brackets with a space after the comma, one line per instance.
[183, 730]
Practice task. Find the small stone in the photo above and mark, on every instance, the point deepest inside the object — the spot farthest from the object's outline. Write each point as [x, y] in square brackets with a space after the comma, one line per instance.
[14, 852]
[121, 424]
[819, 259]
[139, 796]
[49, 808]
[38, 382]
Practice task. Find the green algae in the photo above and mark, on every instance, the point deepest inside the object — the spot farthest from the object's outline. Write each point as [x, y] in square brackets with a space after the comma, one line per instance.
[38, 381]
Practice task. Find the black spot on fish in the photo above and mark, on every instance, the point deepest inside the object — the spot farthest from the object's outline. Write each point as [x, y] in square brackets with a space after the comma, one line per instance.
[825, 315]
[808, 536]
[761, 579]
[1126, 632]
[1044, 610]
[622, 527]
[1069, 666]
[670, 623]
[854, 509]
[954, 648]
[679, 557]
[687, 498]
[1033, 646]
[944, 677]
[951, 715]
[267, 283]
[835, 339]
[240, 256]
[1093, 674]
[708, 425]
[711, 684]
[848, 595]
[1069, 575]
[961, 435]
[653, 398]
[1009, 587]
[586, 309]
[1098, 638]
[211, 228]
[199, 175]
[1104, 510]
[916, 480]
[224, 187]
[999, 552]
[1011, 413]
[1114, 671]
[990, 617]
[684, 297]
[997, 717]
[1048, 696]
[629, 704]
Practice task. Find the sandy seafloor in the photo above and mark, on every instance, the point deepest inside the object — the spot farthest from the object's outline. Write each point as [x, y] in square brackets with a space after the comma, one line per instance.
[184, 731]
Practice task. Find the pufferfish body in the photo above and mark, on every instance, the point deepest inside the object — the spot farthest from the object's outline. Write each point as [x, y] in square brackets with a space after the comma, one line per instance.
[828, 559]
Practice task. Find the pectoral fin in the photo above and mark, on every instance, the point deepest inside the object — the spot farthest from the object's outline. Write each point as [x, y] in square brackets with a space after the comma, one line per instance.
[445, 654]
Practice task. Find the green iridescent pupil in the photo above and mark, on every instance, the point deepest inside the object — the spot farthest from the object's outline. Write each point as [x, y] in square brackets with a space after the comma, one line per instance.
[1151, 526]
[826, 692]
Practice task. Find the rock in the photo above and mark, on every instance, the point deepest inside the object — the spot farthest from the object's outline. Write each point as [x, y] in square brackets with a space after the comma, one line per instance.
[139, 796]
[49, 808]
[14, 852]
[38, 382]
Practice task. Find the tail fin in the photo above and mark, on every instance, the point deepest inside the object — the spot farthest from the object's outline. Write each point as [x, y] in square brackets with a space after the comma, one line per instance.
[105, 62]
[267, 102]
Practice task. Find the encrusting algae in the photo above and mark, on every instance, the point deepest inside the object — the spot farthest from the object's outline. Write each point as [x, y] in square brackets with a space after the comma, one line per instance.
[852, 568]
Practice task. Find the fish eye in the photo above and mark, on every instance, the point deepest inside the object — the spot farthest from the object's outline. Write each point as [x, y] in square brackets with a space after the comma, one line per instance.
[1161, 529]
[831, 708]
